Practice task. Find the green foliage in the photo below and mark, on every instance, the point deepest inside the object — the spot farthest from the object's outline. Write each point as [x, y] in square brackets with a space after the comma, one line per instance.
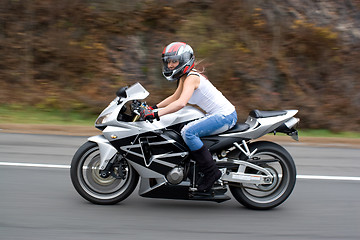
[327, 133]
[30, 115]
[312, 41]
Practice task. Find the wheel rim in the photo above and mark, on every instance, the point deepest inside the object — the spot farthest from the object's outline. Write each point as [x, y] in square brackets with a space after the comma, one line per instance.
[96, 186]
[268, 193]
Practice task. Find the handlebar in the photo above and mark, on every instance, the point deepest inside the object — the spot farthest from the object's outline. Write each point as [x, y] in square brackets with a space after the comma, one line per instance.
[137, 116]
[136, 108]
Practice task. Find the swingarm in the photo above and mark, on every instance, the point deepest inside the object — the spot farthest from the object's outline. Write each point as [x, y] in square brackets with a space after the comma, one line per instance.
[263, 176]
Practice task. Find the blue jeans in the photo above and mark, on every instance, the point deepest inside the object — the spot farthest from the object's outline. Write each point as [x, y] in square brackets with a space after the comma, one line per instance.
[206, 126]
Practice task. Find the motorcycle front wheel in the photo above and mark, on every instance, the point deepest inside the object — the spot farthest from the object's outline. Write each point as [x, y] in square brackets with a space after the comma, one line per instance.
[280, 164]
[86, 178]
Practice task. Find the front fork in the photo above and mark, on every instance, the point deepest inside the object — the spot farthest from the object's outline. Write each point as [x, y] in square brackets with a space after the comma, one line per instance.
[107, 151]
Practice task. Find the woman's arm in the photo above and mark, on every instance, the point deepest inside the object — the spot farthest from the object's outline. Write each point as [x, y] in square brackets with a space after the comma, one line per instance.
[188, 87]
[167, 101]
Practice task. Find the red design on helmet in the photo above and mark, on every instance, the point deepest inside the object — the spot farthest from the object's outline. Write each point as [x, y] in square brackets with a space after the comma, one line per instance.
[175, 47]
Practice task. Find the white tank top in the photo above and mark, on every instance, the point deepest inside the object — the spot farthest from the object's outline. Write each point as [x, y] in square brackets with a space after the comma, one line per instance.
[208, 98]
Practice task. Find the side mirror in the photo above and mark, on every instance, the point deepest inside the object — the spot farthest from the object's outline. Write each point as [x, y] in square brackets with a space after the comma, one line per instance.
[121, 92]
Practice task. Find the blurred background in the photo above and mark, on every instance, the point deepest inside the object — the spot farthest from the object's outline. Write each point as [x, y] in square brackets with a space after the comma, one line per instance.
[70, 56]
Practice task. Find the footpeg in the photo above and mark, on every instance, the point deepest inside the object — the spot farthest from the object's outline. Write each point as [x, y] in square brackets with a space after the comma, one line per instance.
[209, 196]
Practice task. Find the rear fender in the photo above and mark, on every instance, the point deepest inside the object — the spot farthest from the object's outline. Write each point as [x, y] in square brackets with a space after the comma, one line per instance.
[259, 126]
[107, 151]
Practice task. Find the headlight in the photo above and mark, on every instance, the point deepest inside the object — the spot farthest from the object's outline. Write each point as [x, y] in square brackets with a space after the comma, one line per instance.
[103, 119]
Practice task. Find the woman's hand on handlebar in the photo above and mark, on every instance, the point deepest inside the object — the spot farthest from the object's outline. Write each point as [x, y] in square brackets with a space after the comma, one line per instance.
[149, 114]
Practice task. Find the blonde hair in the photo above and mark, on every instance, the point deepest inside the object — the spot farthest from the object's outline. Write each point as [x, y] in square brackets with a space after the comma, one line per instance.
[200, 65]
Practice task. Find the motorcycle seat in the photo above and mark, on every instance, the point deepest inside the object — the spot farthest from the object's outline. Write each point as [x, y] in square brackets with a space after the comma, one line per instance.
[239, 127]
[264, 114]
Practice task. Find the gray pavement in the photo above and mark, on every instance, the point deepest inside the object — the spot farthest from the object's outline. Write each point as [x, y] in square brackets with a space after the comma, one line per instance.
[40, 203]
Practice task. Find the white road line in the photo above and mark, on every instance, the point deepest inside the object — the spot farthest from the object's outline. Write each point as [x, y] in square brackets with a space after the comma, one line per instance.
[39, 165]
[310, 177]
[339, 178]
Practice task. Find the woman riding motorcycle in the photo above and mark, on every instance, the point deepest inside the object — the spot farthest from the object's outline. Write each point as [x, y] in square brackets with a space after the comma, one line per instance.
[194, 88]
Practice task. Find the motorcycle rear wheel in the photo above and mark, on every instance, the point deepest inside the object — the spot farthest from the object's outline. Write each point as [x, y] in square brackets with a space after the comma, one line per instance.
[279, 162]
[85, 177]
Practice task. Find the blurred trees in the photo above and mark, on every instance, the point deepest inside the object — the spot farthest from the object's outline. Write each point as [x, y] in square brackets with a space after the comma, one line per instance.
[278, 54]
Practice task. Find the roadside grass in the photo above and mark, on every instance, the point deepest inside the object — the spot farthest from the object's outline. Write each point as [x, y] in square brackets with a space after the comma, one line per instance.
[327, 133]
[31, 115]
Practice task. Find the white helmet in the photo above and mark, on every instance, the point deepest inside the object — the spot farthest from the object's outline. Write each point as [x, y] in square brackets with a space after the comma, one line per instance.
[184, 54]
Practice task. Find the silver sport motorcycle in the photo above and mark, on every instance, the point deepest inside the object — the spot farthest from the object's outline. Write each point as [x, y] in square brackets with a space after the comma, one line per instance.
[107, 168]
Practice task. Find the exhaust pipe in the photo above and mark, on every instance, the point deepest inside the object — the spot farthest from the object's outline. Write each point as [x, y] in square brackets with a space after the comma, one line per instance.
[288, 127]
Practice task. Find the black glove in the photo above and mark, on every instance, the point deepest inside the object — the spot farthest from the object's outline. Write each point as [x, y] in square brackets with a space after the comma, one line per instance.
[149, 114]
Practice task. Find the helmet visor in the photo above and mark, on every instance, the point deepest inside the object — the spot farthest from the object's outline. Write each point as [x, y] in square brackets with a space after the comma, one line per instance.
[172, 59]
[167, 59]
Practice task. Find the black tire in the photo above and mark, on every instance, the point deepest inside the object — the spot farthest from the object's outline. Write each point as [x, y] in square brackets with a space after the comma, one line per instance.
[86, 179]
[283, 169]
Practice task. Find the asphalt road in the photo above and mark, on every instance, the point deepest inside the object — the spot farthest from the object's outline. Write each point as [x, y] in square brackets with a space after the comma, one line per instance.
[39, 202]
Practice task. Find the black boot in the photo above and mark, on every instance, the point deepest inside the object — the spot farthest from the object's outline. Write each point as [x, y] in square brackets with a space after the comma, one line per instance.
[207, 166]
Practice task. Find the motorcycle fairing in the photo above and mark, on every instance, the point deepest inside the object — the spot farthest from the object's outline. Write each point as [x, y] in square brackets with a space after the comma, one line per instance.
[158, 150]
